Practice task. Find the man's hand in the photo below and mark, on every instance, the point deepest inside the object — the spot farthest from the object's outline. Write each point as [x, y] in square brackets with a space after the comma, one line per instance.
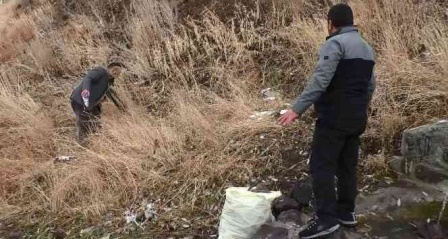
[289, 117]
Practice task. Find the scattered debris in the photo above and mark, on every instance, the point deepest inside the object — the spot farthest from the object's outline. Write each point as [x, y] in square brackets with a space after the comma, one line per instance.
[150, 212]
[273, 179]
[390, 217]
[260, 115]
[185, 226]
[424, 52]
[399, 202]
[108, 218]
[64, 159]
[130, 217]
[87, 231]
[268, 95]
[282, 112]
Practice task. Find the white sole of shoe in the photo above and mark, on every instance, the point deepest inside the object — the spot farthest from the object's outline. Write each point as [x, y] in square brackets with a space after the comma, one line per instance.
[323, 233]
[347, 223]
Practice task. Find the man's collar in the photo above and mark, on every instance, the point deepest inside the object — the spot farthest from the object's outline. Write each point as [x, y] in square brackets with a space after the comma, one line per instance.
[343, 30]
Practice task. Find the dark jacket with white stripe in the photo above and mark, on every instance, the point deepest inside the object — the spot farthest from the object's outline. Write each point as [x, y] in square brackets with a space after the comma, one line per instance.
[99, 82]
[342, 83]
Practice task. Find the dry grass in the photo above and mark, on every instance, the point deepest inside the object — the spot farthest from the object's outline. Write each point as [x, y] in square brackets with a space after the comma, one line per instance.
[191, 85]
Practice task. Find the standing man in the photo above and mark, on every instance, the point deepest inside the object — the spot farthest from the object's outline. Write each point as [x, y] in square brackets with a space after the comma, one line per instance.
[341, 88]
[87, 97]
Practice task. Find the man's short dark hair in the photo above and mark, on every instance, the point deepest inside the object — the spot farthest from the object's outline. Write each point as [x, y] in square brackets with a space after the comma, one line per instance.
[341, 15]
[116, 63]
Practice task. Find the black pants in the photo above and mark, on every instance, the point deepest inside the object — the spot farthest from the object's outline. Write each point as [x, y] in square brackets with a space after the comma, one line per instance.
[87, 122]
[334, 153]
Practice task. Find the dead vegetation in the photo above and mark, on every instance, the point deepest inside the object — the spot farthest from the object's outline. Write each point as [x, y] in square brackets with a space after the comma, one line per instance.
[192, 83]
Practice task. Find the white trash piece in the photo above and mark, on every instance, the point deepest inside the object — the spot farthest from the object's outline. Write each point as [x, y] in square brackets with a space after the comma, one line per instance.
[244, 212]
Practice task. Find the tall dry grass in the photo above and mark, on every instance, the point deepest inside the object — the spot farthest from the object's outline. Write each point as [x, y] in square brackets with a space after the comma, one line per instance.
[191, 84]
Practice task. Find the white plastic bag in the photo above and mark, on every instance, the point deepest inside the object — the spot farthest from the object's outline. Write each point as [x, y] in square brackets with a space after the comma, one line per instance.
[244, 212]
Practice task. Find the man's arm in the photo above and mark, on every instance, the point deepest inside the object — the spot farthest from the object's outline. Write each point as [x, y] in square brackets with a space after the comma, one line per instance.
[112, 95]
[372, 86]
[91, 77]
[329, 57]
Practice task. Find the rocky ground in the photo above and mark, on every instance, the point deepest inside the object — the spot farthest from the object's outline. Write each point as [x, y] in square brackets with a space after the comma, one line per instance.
[403, 209]
[409, 206]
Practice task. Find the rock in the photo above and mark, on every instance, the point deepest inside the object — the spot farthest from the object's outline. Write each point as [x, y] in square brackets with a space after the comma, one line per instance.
[344, 233]
[289, 219]
[58, 233]
[259, 188]
[425, 152]
[302, 192]
[292, 217]
[283, 204]
[430, 174]
[269, 231]
[431, 231]
[398, 164]
[15, 235]
[386, 199]
[427, 144]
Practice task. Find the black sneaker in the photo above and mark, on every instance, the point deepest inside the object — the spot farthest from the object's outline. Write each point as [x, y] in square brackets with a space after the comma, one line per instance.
[316, 228]
[347, 219]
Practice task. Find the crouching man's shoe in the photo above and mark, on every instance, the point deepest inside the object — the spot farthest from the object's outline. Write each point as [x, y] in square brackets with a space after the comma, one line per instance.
[347, 219]
[317, 228]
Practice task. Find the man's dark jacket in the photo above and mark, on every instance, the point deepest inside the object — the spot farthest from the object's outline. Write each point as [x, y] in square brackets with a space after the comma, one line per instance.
[99, 82]
[342, 83]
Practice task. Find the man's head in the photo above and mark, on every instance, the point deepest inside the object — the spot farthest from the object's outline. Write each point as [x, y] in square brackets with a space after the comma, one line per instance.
[340, 15]
[115, 69]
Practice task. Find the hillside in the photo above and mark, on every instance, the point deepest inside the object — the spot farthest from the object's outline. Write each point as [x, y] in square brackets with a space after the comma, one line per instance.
[194, 74]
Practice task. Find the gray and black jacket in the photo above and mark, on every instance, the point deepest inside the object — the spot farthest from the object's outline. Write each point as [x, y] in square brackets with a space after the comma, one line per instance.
[99, 82]
[343, 81]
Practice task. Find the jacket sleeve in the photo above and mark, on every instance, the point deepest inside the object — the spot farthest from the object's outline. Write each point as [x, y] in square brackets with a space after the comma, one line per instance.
[113, 96]
[372, 86]
[329, 57]
[93, 76]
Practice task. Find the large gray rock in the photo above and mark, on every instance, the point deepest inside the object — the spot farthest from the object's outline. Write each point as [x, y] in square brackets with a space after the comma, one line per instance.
[283, 204]
[286, 227]
[425, 153]
[388, 199]
[270, 231]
